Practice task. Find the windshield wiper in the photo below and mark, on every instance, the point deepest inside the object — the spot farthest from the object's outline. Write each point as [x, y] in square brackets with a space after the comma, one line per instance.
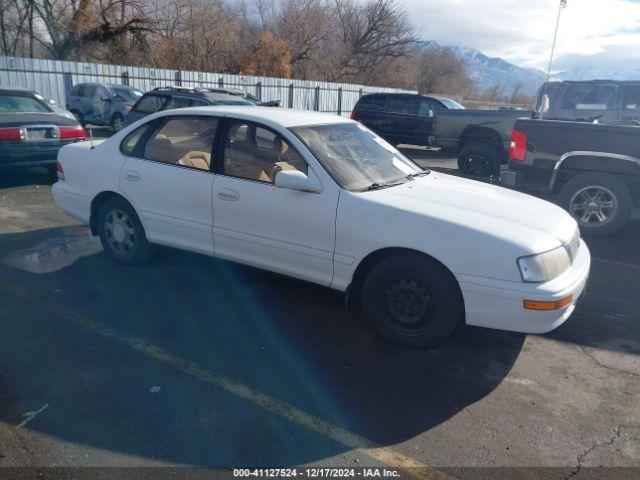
[419, 174]
[380, 185]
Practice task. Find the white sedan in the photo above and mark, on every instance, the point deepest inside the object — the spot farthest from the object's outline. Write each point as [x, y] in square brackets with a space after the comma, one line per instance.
[324, 199]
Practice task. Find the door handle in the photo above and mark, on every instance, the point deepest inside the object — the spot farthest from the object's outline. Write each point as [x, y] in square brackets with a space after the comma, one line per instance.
[228, 195]
[132, 176]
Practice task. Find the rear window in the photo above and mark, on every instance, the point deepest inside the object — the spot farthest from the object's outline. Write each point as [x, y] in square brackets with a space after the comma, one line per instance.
[589, 97]
[149, 104]
[631, 97]
[21, 104]
[372, 102]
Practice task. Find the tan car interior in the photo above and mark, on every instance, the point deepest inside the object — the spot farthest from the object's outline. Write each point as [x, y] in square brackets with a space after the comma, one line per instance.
[184, 141]
[256, 154]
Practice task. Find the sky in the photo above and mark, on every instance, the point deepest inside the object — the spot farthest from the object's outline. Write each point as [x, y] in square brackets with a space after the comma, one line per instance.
[521, 31]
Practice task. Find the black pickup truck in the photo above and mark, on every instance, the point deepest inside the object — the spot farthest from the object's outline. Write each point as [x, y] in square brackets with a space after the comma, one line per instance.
[479, 137]
[593, 170]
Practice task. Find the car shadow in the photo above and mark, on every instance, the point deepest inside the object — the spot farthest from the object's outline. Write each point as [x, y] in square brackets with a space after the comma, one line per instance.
[287, 339]
[11, 177]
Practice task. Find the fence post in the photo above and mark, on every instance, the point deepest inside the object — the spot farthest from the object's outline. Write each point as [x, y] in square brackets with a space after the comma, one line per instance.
[124, 78]
[291, 87]
[339, 101]
[259, 90]
[67, 80]
[316, 101]
[360, 92]
[178, 77]
[221, 82]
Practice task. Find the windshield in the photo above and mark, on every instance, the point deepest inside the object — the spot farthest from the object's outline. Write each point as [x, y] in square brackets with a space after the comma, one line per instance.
[355, 157]
[126, 94]
[21, 104]
[451, 104]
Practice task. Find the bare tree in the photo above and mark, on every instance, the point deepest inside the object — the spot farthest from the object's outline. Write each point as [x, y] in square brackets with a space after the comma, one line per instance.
[438, 70]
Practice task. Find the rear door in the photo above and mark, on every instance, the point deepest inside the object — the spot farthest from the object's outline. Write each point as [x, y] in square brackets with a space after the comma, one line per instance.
[403, 118]
[167, 177]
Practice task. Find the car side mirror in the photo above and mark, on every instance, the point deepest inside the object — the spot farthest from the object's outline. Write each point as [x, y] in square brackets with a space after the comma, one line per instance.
[296, 180]
[105, 98]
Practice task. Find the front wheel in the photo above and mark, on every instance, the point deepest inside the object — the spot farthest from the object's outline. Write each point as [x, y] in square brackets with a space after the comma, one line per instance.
[599, 202]
[121, 233]
[412, 300]
[117, 122]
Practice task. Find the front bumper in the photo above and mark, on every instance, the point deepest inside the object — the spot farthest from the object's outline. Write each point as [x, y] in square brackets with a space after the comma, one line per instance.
[499, 304]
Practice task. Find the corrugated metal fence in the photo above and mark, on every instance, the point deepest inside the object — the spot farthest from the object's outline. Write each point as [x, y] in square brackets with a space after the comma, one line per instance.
[54, 78]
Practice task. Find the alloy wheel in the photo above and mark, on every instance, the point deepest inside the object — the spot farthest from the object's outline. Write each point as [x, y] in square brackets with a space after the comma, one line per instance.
[593, 206]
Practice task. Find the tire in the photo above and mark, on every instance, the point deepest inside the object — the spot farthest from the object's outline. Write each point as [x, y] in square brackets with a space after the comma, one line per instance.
[79, 117]
[117, 122]
[121, 233]
[480, 159]
[412, 300]
[599, 202]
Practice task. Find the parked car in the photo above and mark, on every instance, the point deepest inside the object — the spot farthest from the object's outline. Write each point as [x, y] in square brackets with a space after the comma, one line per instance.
[401, 118]
[31, 133]
[166, 98]
[101, 104]
[593, 169]
[480, 138]
[607, 101]
[324, 199]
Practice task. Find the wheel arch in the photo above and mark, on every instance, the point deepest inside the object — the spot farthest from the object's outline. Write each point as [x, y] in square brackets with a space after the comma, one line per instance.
[97, 203]
[571, 164]
[373, 258]
[478, 134]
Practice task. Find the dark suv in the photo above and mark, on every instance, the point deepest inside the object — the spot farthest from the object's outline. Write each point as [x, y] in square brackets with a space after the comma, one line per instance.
[166, 98]
[401, 118]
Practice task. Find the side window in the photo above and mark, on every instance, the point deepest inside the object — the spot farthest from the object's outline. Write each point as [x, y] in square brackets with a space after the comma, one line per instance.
[401, 104]
[372, 102]
[176, 102]
[129, 143]
[184, 141]
[256, 153]
[631, 97]
[425, 108]
[89, 91]
[198, 103]
[149, 104]
[77, 91]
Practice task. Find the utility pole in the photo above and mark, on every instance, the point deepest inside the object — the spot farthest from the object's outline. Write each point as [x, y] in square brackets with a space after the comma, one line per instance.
[563, 4]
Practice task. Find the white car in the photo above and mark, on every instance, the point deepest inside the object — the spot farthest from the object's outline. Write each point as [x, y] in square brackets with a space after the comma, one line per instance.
[324, 199]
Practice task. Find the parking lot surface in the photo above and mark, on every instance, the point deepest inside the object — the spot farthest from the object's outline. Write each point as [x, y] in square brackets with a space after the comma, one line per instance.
[194, 361]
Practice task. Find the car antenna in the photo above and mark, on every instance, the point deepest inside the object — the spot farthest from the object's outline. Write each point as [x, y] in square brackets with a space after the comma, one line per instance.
[91, 138]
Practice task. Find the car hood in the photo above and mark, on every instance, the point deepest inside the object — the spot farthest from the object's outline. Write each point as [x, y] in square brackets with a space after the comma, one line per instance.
[8, 120]
[533, 224]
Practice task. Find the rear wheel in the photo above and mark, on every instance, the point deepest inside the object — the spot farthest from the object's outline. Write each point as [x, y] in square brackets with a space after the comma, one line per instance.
[599, 202]
[480, 159]
[122, 234]
[412, 300]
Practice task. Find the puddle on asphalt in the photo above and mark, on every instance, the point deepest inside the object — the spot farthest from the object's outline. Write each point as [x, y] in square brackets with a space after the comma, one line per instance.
[56, 253]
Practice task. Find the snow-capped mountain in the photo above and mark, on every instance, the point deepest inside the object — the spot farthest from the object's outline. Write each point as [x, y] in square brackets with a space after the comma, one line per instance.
[488, 71]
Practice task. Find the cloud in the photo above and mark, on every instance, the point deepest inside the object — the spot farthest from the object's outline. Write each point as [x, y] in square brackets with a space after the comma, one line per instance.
[521, 31]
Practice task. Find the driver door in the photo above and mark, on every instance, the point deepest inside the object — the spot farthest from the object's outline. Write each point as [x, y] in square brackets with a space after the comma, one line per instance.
[256, 223]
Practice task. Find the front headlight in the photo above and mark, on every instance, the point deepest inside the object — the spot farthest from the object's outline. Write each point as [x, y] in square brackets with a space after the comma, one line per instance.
[544, 266]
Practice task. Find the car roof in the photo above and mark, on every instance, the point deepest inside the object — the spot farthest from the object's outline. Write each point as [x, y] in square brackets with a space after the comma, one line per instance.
[284, 117]
[111, 85]
[16, 90]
